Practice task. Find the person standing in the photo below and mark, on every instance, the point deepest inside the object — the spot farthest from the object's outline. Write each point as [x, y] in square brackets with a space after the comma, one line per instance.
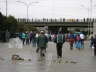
[59, 40]
[78, 42]
[42, 43]
[34, 39]
[71, 42]
[30, 37]
[94, 43]
[23, 38]
[27, 38]
[91, 42]
[82, 37]
[37, 35]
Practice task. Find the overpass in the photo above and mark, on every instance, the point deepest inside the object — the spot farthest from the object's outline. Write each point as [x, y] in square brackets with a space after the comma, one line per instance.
[66, 24]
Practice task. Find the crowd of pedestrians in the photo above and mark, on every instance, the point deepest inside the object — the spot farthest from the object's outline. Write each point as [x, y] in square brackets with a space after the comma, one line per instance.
[40, 40]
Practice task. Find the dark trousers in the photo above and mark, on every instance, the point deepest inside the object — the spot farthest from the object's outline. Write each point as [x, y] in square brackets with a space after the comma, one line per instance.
[71, 46]
[30, 40]
[37, 50]
[42, 51]
[59, 50]
[23, 39]
[27, 41]
[94, 51]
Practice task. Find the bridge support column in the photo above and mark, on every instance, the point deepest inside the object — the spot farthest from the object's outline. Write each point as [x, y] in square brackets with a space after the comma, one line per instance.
[94, 28]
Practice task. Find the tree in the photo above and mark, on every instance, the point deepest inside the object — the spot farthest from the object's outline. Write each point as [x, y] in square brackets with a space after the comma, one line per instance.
[1, 18]
[11, 23]
[20, 27]
[1, 21]
[8, 23]
[30, 27]
[25, 27]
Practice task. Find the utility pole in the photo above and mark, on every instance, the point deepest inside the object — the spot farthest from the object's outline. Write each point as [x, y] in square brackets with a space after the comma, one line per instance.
[90, 23]
[88, 9]
[6, 7]
[91, 15]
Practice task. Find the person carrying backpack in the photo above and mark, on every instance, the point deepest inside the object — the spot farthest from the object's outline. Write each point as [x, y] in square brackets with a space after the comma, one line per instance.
[42, 41]
[59, 40]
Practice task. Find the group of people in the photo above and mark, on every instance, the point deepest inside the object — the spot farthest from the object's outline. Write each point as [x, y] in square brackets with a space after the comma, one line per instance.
[75, 40]
[28, 38]
[40, 40]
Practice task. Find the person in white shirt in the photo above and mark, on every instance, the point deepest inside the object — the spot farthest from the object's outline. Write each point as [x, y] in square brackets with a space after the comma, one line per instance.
[82, 37]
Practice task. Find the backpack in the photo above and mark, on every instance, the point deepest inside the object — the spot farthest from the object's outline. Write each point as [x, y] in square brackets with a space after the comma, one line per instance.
[60, 38]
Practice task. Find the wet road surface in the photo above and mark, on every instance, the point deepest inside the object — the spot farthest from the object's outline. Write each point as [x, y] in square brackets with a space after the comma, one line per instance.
[72, 61]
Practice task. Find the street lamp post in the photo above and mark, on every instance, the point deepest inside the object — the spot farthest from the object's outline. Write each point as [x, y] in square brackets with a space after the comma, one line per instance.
[27, 7]
[90, 14]
[6, 7]
[88, 9]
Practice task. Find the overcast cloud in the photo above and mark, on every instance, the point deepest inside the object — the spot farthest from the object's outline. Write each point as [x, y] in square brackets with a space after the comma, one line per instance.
[49, 8]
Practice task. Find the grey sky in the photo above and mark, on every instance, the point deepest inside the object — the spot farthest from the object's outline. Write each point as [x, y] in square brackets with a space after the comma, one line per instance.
[49, 8]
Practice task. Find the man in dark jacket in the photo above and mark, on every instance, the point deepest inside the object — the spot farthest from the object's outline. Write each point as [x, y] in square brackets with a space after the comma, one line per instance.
[59, 40]
[42, 43]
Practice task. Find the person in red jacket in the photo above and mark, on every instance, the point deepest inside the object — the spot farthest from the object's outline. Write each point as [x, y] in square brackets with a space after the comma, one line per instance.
[71, 42]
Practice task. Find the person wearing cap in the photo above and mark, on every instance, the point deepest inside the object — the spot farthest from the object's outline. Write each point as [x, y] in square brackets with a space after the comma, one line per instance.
[42, 43]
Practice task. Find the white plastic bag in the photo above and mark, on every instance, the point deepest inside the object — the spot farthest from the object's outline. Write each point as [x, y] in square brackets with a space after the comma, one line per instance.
[92, 47]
